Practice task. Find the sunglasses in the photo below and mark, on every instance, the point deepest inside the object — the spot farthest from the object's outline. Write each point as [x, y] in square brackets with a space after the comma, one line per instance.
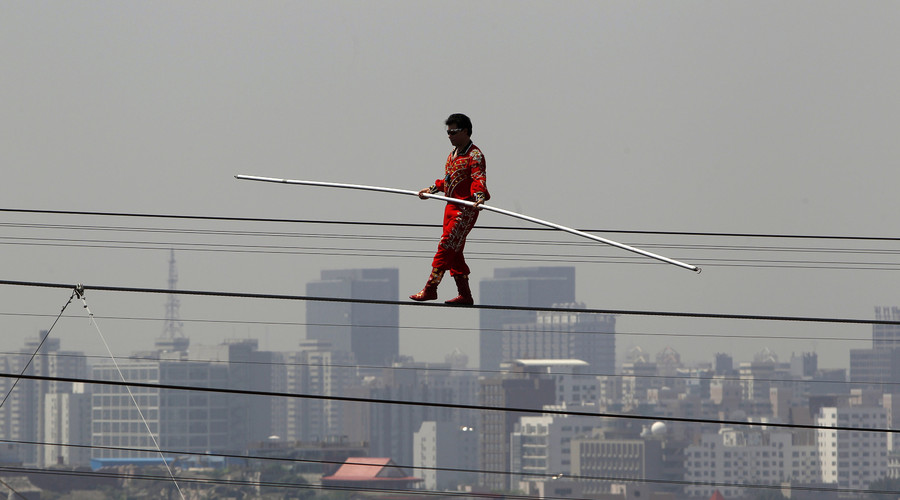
[452, 131]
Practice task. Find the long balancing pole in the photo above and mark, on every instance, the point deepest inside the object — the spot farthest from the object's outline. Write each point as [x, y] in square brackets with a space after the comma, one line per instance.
[470, 203]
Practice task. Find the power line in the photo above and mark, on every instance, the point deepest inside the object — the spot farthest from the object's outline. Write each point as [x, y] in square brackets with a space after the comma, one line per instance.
[455, 406]
[395, 253]
[398, 224]
[460, 329]
[518, 241]
[621, 312]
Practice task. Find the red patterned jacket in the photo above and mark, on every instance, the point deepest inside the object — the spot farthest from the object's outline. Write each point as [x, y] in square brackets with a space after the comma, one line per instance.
[464, 176]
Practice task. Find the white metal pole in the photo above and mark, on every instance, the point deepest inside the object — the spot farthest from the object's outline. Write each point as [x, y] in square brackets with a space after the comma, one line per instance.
[470, 203]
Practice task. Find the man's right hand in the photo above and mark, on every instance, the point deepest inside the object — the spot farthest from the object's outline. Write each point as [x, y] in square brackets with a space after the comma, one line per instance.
[422, 193]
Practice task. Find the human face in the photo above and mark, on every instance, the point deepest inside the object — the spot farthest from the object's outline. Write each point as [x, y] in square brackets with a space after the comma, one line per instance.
[458, 136]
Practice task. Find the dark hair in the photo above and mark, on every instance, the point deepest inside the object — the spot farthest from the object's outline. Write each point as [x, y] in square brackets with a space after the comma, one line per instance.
[460, 120]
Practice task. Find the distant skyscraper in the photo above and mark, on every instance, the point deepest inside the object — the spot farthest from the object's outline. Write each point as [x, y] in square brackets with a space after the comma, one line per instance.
[886, 335]
[370, 331]
[190, 422]
[67, 420]
[563, 335]
[317, 369]
[510, 390]
[22, 416]
[879, 367]
[519, 286]
[392, 426]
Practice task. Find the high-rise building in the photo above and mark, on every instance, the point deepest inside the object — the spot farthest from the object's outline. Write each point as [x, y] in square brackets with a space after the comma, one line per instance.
[317, 369]
[730, 458]
[541, 445]
[519, 286]
[190, 421]
[886, 335]
[442, 452]
[509, 390]
[564, 335]
[606, 455]
[852, 459]
[178, 420]
[392, 426]
[370, 331]
[252, 418]
[879, 367]
[67, 420]
[22, 416]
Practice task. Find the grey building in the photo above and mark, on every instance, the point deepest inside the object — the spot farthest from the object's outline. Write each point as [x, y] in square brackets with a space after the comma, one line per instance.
[317, 369]
[190, 421]
[518, 286]
[392, 426]
[511, 390]
[178, 420]
[370, 331]
[564, 335]
[443, 452]
[22, 416]
[879, 367]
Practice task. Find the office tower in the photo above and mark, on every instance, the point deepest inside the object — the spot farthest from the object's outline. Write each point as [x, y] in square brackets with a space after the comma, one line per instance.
[442, 452]
[852, 459]
[521, 286]
[370, 331]
[317, 369]
[251, 418]
[22, 416]
[510, 390]
[563, 335]
[729, 459]
[179, 420]
[540, 445]
[67, 420]
[604, 455]
[392, 426]
[638, 377]
[879, 367]
[190, 421]
[886, 335]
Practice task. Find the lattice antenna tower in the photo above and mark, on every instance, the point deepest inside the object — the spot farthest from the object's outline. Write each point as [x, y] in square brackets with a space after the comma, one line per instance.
[173, 324]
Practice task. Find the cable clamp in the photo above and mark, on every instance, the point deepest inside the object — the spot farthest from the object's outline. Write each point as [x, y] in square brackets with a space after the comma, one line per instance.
[79, 291]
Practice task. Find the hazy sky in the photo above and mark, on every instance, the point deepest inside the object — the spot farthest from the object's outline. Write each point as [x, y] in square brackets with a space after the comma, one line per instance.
[740, 117]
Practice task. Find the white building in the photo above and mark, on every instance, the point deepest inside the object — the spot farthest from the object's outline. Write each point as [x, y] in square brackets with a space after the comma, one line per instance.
[67, 420]
[317, 368]
[852, 459]
[541, 445]
[444, 445]
[755, 456]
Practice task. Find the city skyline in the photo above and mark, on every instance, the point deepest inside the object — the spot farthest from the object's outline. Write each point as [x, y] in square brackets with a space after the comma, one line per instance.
[753, 139]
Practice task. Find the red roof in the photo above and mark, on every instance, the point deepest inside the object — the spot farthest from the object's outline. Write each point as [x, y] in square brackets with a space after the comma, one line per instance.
[369, 469]
[716, 496]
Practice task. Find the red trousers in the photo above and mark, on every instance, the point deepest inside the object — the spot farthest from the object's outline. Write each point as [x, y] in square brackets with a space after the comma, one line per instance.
[458, 221]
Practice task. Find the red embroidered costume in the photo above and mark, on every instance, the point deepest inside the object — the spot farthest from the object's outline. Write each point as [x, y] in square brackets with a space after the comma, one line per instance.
[464, 179]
